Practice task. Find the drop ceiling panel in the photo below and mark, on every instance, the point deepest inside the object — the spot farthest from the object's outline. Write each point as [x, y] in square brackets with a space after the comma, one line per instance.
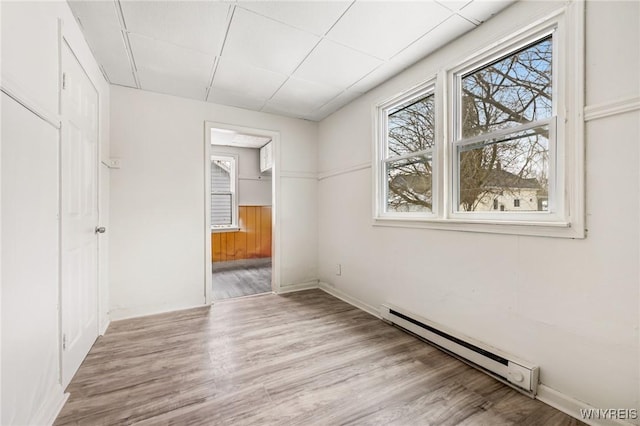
[335, 65]
[101, 27]
[162, 83]
[235, 99]
[115, 62]
[95, 15]
[304, 94]
[452, 28]
[265, 43]
[382, 29]
[252, 81]
[171, 60]
[198, 25]
[315, 17]
[479, 10]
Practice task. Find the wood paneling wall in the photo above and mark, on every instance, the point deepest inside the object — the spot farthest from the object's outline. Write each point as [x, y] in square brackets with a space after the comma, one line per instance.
[252, 241]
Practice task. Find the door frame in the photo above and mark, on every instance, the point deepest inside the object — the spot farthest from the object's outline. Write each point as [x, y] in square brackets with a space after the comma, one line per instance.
[275, 205]
[65, 43]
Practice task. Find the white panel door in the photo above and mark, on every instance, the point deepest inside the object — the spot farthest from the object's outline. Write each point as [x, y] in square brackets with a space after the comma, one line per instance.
[79, 208]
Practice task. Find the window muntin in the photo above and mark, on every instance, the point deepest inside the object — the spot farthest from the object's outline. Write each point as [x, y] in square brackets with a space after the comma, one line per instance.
[505, 127]
[407, 161]
[223, 192]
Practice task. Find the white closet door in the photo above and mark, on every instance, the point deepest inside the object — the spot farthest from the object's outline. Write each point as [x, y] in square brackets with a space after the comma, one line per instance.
[79, 208]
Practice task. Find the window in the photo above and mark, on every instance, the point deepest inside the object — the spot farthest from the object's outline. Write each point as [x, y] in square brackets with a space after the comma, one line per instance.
[407, 150]
[503, 125]
[493, 143]
[224, 201]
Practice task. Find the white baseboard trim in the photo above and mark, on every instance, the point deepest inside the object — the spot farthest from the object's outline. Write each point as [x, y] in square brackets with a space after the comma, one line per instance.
[103, 327]
[572, 407]
[145, 311]
[49, 411]
[327, 288]
[309, 285]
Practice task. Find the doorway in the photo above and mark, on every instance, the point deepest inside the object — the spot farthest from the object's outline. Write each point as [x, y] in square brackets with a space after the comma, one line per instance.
[240, 211]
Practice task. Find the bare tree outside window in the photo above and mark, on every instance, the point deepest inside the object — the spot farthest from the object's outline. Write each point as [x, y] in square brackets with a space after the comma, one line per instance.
[513, 92]
[408, 168]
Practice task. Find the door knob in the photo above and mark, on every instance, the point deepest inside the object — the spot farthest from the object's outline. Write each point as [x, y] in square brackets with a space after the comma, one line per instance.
[100, 229]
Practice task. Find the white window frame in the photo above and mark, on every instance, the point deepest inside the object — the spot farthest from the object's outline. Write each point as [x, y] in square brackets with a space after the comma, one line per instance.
[382, 112]
[556, 170]
[565, 218]
[221, 156]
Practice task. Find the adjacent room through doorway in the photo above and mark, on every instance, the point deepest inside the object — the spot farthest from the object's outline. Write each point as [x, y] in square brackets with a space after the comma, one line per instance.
[240, 213]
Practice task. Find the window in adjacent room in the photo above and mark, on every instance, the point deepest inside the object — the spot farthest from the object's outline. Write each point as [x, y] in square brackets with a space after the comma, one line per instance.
[224, 200]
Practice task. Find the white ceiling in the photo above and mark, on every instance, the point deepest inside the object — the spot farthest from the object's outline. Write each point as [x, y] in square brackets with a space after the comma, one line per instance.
[226, 137]
[302, 59]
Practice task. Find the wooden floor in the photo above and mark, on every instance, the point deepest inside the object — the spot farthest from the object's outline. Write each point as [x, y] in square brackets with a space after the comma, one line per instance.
[300, 359]
[239, 278]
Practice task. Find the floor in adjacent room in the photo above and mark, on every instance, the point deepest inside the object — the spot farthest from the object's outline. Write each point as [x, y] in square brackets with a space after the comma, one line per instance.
[304, 358]
[237, 278]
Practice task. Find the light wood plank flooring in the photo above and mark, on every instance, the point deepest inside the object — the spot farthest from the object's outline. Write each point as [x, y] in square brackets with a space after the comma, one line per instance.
[239, 278]
[300, 359]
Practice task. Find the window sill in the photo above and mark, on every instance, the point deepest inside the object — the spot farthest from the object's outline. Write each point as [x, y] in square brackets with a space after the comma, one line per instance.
[229, 229]
[531, 228]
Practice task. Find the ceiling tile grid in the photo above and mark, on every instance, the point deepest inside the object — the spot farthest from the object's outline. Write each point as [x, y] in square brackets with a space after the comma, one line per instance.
[302, 59]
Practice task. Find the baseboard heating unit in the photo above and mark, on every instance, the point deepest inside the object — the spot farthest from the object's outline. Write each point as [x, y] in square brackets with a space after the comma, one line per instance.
[520, 375]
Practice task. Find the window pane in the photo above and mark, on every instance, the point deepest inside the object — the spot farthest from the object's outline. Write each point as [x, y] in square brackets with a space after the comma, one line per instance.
[409, 185]
[511, 91]
[221, 175]
[411, 127]
[221, 209]
[496, 173]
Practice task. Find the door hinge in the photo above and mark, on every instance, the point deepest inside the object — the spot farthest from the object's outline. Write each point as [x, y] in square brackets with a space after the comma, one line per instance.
[64, 80]
[64, 342]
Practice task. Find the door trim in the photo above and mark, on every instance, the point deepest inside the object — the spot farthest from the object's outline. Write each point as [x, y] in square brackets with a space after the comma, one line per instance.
[275, 204]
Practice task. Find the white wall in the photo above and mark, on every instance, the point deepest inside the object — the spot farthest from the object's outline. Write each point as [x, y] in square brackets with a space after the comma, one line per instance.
[254, 186]
[31, 391]
[157, 205]
[569, 305]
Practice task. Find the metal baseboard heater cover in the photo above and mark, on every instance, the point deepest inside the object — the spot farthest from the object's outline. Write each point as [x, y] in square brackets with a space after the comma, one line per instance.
[520, 375]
